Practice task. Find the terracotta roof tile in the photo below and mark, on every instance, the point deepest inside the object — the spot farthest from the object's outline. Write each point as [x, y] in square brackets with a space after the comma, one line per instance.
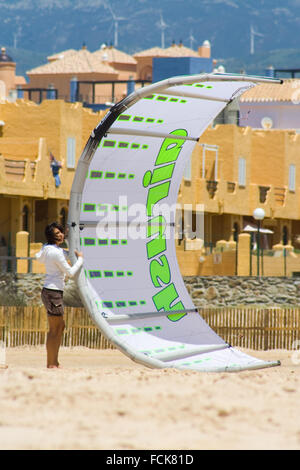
[20, 80]
[61, 55]
[82, 61]
[153, 52]
[266, 92]
[180, 51]
[112, 55]
[172, 51]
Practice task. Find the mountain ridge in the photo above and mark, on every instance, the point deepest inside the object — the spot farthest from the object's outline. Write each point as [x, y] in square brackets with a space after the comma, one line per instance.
[50, 26]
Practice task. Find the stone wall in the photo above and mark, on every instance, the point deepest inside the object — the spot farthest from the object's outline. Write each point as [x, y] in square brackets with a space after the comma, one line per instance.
[25, 289]
[222, 291]
[218, 291]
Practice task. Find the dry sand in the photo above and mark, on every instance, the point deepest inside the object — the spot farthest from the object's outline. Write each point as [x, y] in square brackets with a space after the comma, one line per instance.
[103, 400]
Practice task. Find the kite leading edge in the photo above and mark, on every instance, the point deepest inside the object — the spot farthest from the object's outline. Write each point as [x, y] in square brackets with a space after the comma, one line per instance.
[122, 215]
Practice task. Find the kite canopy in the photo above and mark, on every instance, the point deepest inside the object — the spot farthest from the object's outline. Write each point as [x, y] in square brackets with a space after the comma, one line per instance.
[122, 217]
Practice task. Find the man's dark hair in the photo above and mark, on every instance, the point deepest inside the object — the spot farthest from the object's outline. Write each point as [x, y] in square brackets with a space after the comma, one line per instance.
[49, 232]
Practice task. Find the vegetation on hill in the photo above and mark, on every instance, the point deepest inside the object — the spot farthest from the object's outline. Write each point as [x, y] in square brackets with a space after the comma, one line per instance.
[33, 29]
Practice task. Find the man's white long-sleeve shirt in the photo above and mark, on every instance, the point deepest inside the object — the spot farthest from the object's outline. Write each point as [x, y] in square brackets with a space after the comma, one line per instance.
[56, 266]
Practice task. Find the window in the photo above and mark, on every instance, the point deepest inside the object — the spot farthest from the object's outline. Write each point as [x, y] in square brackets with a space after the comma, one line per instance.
[242, 172]
[292, 177]
[188, 170]
[71, 152]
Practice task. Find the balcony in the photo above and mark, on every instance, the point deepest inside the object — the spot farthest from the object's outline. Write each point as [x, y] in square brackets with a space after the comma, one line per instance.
[25, 171]
[16, 169]
[279, 196]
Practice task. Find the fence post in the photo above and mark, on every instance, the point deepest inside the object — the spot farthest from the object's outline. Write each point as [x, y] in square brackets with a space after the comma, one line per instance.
[22, 243]
[3, 352]
[266, 314]
[243, 259]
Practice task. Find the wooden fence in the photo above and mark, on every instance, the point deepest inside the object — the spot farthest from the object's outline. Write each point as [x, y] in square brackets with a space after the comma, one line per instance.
[254, 328]
[28, 326]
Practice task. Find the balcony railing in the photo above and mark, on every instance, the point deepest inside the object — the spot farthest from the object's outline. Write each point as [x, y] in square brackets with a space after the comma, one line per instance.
[279, 194]
[16, 169]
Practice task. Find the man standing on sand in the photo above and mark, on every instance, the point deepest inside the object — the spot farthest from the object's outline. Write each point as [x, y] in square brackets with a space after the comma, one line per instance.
[52, 293]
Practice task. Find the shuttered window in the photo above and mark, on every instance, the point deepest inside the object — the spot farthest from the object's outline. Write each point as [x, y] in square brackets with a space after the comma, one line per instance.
[188, 170]
[292, 177]
[71, 152]
[242, 172]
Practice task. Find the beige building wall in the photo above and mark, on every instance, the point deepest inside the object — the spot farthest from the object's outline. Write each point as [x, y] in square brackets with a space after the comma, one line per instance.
[8, 79]
[29, 198]
[8, 75]
[144, 68]
[267, 154]
[105, 65]
[228, 202]
[61, 82]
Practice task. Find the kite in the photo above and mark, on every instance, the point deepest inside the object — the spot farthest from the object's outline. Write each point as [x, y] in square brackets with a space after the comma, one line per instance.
[120, 215]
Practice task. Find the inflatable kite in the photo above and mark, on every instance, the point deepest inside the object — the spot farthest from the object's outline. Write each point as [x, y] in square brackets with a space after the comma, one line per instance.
[126, 181]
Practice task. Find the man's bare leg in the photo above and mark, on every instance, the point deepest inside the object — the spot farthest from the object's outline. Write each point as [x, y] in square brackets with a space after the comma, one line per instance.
[56, 328]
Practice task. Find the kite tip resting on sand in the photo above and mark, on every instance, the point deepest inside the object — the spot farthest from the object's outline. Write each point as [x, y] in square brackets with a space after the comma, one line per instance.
[122, 216]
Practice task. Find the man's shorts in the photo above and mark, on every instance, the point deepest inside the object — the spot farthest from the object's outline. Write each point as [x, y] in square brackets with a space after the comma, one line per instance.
[53, 301]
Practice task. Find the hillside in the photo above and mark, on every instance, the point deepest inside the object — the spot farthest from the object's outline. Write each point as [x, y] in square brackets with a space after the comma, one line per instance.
[43, 27]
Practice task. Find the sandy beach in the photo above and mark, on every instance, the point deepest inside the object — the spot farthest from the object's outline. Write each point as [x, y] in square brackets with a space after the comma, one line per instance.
[100, 399]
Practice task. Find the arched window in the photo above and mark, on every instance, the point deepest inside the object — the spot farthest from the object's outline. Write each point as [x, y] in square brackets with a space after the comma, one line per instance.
[25, 219]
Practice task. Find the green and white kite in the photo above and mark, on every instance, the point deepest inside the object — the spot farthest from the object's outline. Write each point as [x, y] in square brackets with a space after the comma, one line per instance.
[121, 217]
